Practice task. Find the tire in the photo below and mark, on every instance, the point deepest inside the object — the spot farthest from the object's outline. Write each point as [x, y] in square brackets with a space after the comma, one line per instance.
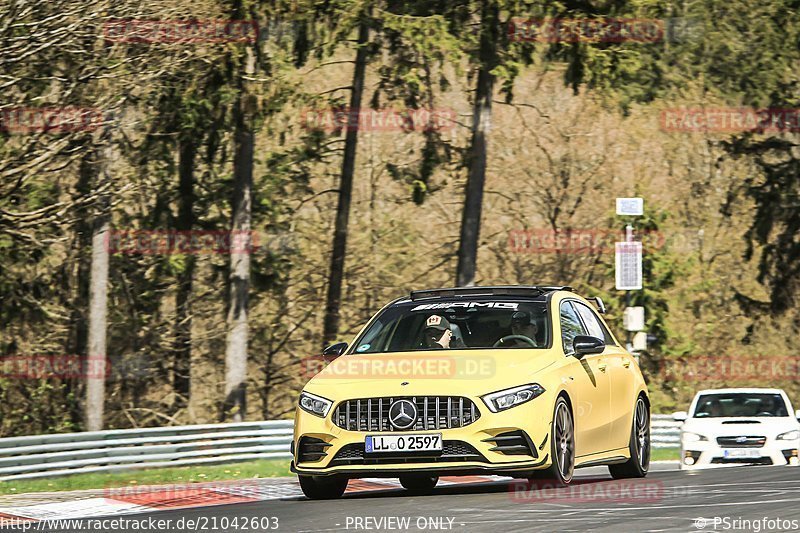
[323, 488]
[639, 446]
[419, 484]
[562, 447]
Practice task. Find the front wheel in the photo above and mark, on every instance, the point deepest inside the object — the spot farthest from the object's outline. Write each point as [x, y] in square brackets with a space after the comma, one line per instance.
[322, 488]
[562, 446]
[419, 484]
[639, 463]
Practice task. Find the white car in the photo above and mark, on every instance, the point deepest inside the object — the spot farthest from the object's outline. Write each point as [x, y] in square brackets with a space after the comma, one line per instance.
[739, 426]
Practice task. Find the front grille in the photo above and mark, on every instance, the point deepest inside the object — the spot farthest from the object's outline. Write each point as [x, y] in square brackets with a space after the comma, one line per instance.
[453, 451]
[433, 412]
[741, 442]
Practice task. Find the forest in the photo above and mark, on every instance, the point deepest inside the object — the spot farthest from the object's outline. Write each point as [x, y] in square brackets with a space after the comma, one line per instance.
[196, 197]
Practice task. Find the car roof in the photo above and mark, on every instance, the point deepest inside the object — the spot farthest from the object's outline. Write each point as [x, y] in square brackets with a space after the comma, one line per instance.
[741, 390]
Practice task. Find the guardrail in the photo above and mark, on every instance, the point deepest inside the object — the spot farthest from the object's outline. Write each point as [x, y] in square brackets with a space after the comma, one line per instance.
[97, 451]
[665, 432]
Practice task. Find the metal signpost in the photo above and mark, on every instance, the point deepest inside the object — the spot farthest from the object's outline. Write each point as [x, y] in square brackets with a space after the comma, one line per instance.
[628, 266]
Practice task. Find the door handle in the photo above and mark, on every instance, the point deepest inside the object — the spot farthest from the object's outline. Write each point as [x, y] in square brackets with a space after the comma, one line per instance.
[626, 363]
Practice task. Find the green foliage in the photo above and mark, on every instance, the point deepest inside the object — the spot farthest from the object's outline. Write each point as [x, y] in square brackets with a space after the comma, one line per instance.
[422, 54]
[777, 220]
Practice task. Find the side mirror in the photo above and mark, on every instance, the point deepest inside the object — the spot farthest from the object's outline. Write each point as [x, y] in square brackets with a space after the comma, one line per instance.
[585, 344]
[334, 350]
[680, 416]
[797, 414]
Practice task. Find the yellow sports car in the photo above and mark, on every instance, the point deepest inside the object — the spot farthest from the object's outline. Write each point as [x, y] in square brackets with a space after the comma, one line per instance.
[518, 381]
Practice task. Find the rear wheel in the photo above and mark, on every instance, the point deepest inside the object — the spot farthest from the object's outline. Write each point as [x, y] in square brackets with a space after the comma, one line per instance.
[323, 488]
[419, 484]
[639, 463]
[562, 447]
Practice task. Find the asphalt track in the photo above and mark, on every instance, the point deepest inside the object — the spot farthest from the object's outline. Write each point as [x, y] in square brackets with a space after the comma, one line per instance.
[760, 498]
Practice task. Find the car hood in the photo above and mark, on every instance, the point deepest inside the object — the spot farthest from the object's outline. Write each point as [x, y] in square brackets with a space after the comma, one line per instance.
[767, 426]
[441, 372]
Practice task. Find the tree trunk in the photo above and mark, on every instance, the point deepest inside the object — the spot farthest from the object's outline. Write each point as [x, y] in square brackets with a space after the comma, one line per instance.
[482, 116]
[234, 405]
[95, 368]
[77, 343]
[182, 362]
[336, 275]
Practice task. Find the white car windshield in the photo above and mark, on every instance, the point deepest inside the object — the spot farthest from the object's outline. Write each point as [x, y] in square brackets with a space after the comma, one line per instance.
[737, 404]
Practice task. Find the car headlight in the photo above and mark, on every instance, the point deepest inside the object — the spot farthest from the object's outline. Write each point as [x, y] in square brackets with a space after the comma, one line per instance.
[789, 435]
[505, 399]
[692, 437]
[316, 405]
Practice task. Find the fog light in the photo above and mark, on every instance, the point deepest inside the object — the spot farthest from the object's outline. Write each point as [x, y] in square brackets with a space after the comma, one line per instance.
[688, 461]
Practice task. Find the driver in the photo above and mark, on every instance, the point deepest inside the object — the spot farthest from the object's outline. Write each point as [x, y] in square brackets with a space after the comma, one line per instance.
[437, 334]
[523, 325]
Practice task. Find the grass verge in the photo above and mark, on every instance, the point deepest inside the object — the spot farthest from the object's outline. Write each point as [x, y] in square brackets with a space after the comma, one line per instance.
[665, 454]
[160, 476]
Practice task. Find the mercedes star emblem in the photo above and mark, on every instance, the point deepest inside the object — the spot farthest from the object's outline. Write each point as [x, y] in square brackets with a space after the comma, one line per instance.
[403, 414]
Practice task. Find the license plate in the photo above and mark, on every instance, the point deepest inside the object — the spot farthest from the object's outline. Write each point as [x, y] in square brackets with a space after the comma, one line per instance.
[743, 453]
[403, 443]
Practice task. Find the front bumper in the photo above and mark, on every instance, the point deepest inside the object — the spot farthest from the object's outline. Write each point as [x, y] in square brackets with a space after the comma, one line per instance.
[467, 450]
[708, 454]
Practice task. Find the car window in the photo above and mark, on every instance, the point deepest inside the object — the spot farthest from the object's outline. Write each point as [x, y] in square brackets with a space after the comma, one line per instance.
[479, 323]
[593, 324]
[570, 326]
[740, 404]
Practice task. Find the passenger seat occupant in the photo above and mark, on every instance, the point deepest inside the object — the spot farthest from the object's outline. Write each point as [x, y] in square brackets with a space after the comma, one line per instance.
[437, 333]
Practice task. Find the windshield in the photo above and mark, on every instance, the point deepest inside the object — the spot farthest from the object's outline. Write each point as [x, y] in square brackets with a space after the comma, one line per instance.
[458, 325]
[740, 404]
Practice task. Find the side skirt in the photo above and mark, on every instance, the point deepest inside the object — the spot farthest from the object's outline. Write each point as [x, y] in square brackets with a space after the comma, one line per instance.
[610, 457]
